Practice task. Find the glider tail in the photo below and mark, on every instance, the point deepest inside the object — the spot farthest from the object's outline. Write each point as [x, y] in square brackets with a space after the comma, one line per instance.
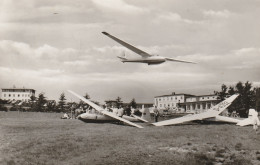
[220, 107]
[122, 57]
[145, 114]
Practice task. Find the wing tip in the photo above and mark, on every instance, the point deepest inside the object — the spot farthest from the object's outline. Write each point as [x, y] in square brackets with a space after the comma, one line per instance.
[105, 33]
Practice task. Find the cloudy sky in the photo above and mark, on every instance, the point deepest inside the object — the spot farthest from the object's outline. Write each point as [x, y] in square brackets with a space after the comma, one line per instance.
[55, 45]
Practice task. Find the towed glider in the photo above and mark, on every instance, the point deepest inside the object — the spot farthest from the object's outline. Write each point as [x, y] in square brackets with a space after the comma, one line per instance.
[105, 116]
[146, 57]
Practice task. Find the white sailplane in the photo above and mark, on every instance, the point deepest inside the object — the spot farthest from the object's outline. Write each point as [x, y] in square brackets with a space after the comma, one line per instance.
[211, 114]
[104, 115]
[251, 120]
[145, 57]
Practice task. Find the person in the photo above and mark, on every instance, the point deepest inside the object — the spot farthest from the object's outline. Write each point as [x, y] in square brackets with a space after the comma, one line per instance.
[120, 112]
[156, 114]
[254, 115]
[128, 111]
[65, 116]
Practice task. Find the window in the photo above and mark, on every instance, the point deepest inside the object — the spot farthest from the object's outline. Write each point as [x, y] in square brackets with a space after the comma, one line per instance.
[9, 95]
[18, 95]
[4, 95]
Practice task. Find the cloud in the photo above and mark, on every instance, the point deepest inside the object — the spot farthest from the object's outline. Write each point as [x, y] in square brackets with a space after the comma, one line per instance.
[171, 17]
[217, 14]
[118, 6]
[54, 52]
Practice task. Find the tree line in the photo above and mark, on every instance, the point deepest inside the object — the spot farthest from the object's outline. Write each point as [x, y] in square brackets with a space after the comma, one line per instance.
[249, 97]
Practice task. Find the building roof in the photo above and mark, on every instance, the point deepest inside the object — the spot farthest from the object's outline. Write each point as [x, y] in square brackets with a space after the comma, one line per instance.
[17, 89]
[189, 95]
[207, 95]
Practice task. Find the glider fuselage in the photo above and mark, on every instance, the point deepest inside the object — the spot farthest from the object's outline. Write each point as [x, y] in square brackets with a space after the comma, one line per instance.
[149, 60]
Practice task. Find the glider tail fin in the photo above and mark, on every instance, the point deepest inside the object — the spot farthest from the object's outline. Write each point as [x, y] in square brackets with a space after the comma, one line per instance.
[122, 57]
[220, 107]
[145, 113]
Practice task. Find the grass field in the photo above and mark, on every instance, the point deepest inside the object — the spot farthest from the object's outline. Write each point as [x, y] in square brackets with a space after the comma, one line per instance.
[43, 138]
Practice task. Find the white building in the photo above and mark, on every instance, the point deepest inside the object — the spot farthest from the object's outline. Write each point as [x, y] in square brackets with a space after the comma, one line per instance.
[198, 104]
[22, 94]
[187, 102]
[170, 101]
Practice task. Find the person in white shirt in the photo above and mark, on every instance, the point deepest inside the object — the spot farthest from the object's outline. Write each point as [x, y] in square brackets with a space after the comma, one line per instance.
[253, 114]
[120, 112]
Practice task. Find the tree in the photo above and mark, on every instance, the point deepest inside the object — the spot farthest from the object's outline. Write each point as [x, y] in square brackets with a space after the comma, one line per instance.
[118, 102]
[82, 103]
[40, 102]
[33, 103]
[257, 99]
[223, 93]
[133, 103]
[62, 103]
[51, 106]
[245, 100]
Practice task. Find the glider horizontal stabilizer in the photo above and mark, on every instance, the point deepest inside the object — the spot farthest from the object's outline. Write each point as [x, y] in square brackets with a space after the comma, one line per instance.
[171, 59]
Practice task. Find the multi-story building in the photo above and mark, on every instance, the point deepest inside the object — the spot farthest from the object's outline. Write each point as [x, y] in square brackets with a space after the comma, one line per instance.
[170, 101]
[186, 102]
[198, 104]
[22, 94]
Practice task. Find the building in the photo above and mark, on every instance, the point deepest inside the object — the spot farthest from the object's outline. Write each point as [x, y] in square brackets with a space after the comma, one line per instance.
[170, 101]
[22, 94]
[113, 104]
[186, 102]
[198, 104]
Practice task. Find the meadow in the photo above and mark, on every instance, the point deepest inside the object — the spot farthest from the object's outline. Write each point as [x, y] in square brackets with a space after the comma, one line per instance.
[44, 138]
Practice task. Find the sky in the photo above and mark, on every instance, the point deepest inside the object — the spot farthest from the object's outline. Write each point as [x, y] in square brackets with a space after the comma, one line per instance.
[55, 45]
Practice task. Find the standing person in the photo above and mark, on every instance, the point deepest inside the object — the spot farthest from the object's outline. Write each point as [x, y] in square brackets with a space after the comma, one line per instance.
[255, 118]
[120, 112]
[156, 114]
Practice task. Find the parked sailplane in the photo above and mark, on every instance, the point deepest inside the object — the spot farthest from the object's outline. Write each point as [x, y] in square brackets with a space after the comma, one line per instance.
[211, 114]
[104, 115]
[146, 57]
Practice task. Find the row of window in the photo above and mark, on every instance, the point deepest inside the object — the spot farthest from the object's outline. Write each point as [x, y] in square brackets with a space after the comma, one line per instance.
[172, 98]
[167, 105]
[193, 107]
[168, 98]
[189, 107]
[17, 90]
[18, 95]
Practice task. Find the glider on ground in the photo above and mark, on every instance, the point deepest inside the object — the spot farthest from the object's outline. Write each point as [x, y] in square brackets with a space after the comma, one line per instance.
[104, 115]
[213, 114]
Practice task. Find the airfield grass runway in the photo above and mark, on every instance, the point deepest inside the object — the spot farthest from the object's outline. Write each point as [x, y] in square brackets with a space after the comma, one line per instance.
[43, 138]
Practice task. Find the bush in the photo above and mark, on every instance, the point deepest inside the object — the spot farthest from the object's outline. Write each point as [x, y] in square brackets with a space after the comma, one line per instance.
[238, 147]
[198, 159]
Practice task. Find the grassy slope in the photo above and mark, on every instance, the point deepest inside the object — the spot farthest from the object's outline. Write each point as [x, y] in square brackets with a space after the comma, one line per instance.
[43, 138]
